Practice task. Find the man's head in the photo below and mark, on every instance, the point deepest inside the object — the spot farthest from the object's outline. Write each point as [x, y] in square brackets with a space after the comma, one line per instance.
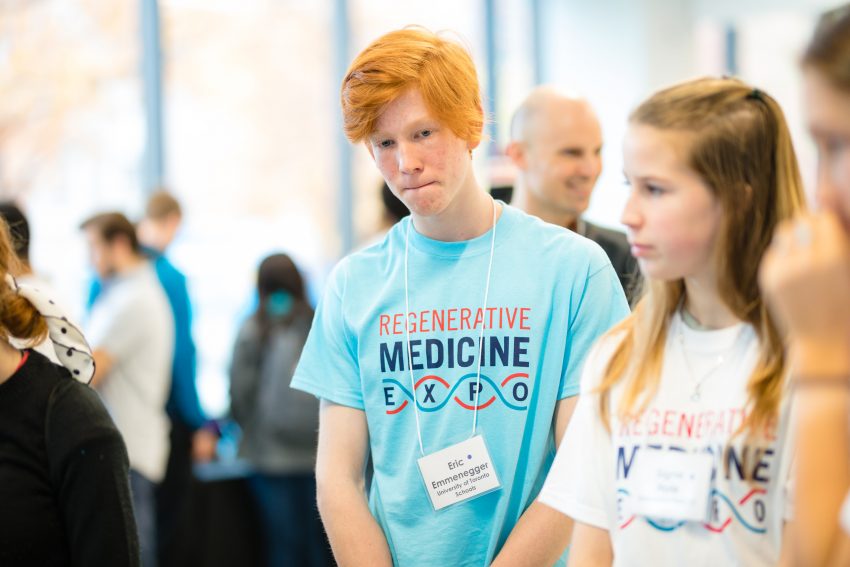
[112, 242]
[413, 98]
[163, 216]
[556, 144]
[19, 230]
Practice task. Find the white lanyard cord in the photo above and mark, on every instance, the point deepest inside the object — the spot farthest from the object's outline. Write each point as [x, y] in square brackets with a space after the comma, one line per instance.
[407, 335]
[483, 324]
[480, 337]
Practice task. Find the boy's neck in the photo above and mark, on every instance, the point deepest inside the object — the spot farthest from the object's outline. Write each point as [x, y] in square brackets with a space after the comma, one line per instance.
[469, 216]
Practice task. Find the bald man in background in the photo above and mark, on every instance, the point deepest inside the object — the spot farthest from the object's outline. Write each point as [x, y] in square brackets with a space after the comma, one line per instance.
[556, 145]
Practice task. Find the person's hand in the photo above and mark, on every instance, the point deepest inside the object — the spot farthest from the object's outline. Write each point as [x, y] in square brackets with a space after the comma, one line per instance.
[204, 443]
[805, 278]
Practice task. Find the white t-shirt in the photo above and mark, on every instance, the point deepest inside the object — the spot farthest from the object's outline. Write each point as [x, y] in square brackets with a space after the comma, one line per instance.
[592, 478]
[131, 321]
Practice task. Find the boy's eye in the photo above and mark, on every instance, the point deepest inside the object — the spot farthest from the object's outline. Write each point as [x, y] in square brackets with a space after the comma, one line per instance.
[425, 133]
[385, 143]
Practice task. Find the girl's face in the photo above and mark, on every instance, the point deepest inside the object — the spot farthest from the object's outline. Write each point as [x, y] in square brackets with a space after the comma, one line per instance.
[828, 113]
[673, 218]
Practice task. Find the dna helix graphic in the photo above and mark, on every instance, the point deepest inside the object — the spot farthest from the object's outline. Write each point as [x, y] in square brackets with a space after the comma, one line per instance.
[512, 391]
[750, 512]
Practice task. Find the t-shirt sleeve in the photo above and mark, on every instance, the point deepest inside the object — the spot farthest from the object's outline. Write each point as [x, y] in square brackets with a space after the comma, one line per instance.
[581, 482]
[89, 471]
[601, 304]
[328, 367]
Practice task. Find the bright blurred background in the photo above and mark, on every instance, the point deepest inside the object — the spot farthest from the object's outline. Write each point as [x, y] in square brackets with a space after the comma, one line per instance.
[233, 105]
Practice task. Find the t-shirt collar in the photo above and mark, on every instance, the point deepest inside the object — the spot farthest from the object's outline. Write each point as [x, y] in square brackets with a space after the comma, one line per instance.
[472, 247]
[710, 341]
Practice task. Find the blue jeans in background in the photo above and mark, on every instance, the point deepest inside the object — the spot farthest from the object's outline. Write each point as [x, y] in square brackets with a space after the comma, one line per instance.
[292, 529]
[144, 509]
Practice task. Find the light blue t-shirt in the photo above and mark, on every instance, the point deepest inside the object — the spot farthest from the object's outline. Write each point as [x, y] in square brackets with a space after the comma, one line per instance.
[552, 293]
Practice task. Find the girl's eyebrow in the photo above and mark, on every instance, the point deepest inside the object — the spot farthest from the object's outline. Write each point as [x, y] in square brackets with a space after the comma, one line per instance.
[649, 178]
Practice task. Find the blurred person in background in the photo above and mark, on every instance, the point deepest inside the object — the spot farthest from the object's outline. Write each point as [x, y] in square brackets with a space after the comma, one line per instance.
[806, 278]
[189, 430]
[64, 490]
[556, 145]
[279, 424]
[191, 433]
[19, 230]
[131, 330]
[392, 211]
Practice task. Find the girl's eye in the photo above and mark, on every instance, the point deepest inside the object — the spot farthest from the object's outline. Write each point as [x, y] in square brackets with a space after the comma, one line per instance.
[385, 143]
[425, 133]
[654, 189]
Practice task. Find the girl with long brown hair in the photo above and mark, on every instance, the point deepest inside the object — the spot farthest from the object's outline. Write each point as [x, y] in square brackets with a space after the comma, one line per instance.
[679, 443]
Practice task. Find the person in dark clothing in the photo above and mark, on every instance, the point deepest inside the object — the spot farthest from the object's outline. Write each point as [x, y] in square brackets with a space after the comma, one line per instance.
[279, 424]
[393, 210]
[556, 145]
[615, 245]
[64, 469]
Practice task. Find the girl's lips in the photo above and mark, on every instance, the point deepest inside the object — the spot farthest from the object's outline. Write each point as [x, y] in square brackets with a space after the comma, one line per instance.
[639, 250]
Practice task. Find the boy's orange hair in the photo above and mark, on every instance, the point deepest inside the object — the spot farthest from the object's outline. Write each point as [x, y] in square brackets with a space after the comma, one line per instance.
[442, 70]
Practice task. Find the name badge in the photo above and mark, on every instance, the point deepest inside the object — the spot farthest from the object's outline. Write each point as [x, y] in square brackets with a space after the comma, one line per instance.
[458, 473]
[672, 485]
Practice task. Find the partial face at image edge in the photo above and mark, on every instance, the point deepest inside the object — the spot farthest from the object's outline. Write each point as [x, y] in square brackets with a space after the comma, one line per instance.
[828, 117]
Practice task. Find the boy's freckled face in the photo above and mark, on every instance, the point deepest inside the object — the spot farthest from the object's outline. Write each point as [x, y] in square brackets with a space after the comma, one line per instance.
[424, 163]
